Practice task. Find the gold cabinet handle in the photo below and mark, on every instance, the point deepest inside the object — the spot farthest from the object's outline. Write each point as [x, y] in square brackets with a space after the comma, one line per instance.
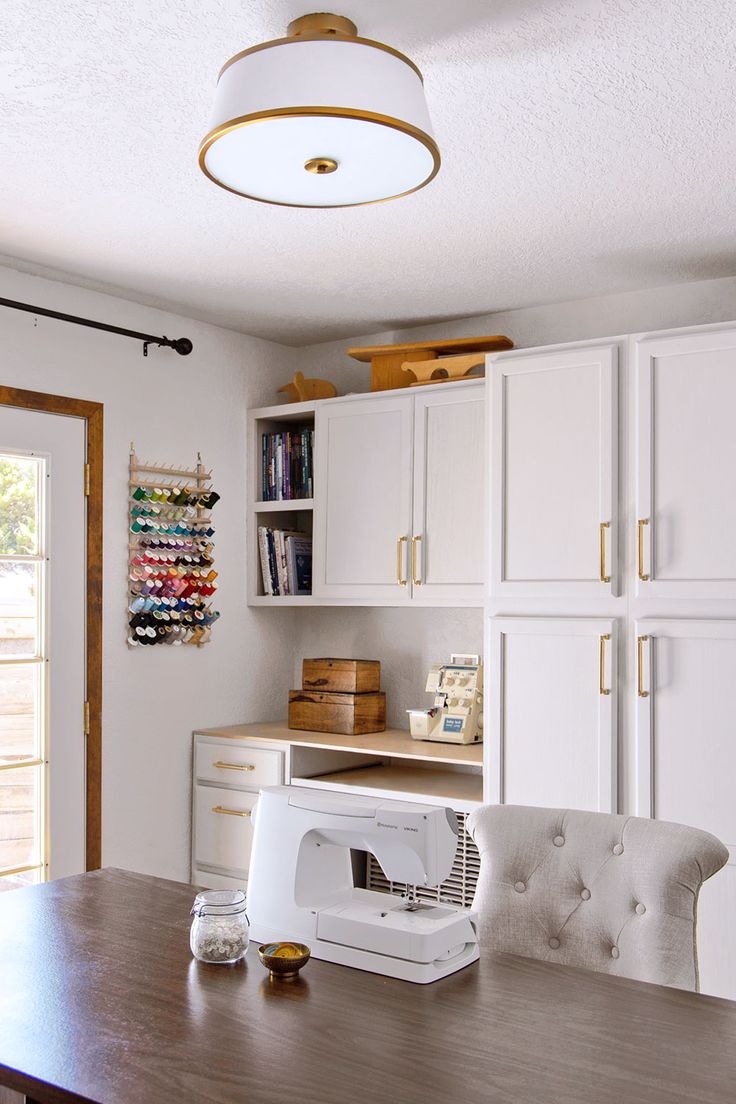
[640, 524]
[640, 641]
[604, 577]
[415, 580]
[230, 812]
[602, 665]
[234, 766]
[400, 577]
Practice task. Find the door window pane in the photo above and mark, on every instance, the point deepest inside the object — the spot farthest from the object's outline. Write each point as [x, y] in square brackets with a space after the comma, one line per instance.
[17, 881]
[19, 713]
[19, 609]
[19, 479]
[20, 817]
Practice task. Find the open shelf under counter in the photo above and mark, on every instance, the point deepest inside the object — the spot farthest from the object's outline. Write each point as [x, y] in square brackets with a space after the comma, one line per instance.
[393, 742]
[453, 787]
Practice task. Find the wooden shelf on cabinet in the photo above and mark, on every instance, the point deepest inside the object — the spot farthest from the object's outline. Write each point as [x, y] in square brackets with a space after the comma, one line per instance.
[393, 742]
[450, 786]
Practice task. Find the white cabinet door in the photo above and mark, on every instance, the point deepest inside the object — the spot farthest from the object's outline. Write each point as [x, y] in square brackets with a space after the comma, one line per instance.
[552, 718]
[553, 459]
[447, 552]
[362, 500]
[686, 760]
[685, 464]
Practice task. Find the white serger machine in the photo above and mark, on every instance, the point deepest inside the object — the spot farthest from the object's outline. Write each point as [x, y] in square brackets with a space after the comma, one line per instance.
[300, 884]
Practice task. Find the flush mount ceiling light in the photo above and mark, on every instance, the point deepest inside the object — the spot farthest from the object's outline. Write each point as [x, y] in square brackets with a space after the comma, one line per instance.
[321, 118]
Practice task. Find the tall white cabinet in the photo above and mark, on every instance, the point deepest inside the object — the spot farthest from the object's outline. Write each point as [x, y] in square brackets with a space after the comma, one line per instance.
[554, 464]
[611, 633]
[685, 393]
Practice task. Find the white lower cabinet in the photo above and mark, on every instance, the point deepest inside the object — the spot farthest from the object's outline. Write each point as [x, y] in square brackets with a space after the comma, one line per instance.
[228, 776]
[553, 712]
[686, 760]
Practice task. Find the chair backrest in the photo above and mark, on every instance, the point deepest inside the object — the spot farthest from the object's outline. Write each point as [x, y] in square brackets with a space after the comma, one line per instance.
[611, 893]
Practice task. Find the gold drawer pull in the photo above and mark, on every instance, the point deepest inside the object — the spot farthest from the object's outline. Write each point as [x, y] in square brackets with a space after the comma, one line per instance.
[230, 812]
[641, 523]
[640, 666]
[604, 577]
[400, 577]
[602, 665]
[234, 766]
[414, 577]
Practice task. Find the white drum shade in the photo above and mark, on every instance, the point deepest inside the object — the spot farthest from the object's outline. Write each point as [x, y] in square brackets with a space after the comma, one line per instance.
[356, 105]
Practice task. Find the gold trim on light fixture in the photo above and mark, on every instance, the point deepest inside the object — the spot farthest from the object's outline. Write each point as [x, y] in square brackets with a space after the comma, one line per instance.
[330, 112]
[322, 38]
[321, 166]
[322, 23]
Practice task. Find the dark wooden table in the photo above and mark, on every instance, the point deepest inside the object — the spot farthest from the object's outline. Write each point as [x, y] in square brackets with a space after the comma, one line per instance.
[100, 1000]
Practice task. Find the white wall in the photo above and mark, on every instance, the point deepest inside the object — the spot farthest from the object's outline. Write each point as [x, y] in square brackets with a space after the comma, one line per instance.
[171, 406]
[629, 312]
[406, 641]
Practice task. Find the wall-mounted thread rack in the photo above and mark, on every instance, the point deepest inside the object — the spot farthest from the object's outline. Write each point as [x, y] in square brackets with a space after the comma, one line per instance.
[171, 574]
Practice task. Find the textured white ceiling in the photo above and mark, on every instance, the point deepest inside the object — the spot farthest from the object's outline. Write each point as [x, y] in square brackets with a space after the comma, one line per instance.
[588, 146]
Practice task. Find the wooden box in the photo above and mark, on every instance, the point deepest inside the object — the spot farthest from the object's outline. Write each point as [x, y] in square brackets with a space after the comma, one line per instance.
[342, 676]
[348, 714]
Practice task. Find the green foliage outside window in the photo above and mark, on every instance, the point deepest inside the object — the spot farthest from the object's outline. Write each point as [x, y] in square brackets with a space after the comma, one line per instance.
[17, 507]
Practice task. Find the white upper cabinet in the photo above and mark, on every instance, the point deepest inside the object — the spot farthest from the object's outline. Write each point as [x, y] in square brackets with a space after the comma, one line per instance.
[685, 463]
[398, 502]
[551, 695]
[448, 550]
[553, 458]
[362, 501]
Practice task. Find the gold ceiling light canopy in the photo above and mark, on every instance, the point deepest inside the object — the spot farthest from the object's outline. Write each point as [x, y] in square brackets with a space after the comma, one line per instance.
[324, 23]
[322, 99]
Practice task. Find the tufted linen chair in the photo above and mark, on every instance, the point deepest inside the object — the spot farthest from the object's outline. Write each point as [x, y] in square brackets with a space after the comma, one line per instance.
[612, 893]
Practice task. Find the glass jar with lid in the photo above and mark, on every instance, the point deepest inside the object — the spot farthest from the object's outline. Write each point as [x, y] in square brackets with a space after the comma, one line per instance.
[220, 929]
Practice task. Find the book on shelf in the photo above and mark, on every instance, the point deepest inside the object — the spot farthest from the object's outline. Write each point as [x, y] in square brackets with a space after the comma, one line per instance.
[286, 561]
[287, 465]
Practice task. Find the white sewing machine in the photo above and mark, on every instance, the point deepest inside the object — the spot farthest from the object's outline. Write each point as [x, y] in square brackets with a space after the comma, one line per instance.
[456, 716]
[300, 885]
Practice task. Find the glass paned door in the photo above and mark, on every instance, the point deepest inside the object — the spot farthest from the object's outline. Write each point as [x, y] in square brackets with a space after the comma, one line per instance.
[23, 661]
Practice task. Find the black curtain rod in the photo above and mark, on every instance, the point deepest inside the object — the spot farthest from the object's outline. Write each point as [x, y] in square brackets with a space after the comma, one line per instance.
[182, 345]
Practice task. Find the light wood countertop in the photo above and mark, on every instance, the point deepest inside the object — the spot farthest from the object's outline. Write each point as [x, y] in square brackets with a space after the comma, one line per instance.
[395, 742]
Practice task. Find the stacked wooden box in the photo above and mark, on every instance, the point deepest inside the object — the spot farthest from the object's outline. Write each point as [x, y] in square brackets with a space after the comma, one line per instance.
[339, 695]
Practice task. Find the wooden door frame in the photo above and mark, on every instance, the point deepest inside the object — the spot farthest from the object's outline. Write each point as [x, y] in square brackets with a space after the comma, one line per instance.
[93, 415]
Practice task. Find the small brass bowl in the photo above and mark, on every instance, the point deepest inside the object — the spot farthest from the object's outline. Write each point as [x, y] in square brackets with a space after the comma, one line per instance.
[284, 960]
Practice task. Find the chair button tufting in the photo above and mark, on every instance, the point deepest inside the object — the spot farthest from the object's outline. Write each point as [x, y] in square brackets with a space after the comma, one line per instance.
[640, 909]
[618, 849]
[614, 952]
[520, 887]
[585, 894]
[558, 841]
[554, 943]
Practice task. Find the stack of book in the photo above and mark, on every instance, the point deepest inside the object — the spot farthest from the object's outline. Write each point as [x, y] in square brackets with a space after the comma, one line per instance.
[286, 561]
[286, 465]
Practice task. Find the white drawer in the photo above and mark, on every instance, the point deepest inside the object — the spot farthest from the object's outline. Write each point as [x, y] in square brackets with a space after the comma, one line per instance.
[238, 765]
[223, 832]
[207, 880]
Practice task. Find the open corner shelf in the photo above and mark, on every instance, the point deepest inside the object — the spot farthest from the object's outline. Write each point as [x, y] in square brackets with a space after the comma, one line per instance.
[283, 505]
